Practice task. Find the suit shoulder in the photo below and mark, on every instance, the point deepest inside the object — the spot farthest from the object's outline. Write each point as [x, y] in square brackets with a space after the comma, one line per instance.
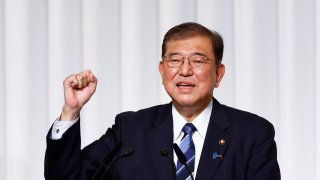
[248, 126]
[245, 118]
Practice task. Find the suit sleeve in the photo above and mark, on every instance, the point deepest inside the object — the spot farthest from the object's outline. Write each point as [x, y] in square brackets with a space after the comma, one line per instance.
[263, 163]
[64, 158]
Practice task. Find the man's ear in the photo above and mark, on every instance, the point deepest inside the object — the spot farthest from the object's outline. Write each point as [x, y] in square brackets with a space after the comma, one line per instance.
[219, 74]
[160, 68]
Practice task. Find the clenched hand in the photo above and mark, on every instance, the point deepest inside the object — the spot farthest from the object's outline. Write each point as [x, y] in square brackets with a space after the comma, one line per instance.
[78, 89]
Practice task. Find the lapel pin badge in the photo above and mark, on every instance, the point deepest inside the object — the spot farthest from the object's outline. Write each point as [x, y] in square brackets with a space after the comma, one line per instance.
[216, 155]
[222, 142]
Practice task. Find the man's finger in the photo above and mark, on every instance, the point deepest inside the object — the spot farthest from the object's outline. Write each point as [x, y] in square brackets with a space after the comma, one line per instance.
[70, 81]
[82, 79]
[92, 78]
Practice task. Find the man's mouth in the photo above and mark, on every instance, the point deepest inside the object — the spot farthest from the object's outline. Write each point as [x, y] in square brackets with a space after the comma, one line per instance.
[185, 85]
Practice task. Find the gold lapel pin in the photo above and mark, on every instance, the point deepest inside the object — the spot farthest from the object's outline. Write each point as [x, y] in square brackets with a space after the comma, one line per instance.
[222, 142]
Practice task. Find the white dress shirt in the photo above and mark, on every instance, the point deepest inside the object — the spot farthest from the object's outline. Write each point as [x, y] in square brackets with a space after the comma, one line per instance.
[201, 123]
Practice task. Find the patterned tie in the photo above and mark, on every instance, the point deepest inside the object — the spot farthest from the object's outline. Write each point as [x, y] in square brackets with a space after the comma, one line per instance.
[187, 147]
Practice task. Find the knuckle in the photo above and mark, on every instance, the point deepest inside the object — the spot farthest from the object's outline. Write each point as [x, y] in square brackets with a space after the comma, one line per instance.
[68, 79]
[80, 77]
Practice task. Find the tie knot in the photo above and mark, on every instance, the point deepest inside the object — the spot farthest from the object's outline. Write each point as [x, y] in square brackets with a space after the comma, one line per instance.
[188, 128]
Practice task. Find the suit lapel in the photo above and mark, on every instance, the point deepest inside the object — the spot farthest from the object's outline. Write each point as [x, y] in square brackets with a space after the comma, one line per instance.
[217, 130]
[159, 136]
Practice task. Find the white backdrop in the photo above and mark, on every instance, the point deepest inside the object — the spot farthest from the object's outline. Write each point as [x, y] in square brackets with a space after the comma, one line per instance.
[272, 56]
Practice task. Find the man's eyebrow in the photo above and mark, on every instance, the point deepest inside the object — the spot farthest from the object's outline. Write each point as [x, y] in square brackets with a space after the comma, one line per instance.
[174, 53]
[200, 54]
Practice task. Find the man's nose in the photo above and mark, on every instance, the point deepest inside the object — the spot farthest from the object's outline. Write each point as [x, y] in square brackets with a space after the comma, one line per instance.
[185, 68]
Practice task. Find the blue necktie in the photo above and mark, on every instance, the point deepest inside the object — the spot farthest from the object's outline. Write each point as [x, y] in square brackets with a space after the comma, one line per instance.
[187, 147]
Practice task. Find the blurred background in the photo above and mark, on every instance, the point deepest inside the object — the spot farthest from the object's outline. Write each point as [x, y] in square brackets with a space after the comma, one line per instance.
[272, 58]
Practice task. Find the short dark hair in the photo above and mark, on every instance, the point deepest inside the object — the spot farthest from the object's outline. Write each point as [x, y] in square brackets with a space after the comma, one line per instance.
[192, 29]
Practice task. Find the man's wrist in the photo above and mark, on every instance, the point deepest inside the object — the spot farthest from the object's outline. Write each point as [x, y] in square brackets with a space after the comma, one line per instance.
[68, 114]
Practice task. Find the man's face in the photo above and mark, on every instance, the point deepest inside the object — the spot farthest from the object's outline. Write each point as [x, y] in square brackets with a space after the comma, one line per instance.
[186, 86]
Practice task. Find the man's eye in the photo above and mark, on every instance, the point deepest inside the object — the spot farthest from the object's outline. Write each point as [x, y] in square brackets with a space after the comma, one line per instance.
[198, 61]
[175, 60]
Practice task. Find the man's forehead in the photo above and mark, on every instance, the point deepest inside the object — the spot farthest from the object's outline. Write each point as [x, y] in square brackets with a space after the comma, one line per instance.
[175, 39]
[196, 45]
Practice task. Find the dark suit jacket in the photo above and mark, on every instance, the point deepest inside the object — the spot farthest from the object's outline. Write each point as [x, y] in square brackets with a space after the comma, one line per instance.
[249, 152]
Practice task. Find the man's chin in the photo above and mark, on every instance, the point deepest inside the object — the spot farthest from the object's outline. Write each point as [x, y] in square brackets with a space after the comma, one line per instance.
[185, 103]
[190, 102]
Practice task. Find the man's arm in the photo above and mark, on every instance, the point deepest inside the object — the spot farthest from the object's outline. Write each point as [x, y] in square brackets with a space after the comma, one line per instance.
[63, 156]
[65, 160]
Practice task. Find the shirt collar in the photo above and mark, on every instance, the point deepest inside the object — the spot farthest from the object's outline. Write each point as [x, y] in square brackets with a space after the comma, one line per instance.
[200, 122]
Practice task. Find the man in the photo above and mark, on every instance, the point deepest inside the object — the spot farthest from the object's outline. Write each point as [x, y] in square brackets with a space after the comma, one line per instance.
[219, 142]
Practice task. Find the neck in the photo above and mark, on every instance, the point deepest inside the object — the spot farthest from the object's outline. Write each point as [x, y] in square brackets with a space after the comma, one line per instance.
[189, 113]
